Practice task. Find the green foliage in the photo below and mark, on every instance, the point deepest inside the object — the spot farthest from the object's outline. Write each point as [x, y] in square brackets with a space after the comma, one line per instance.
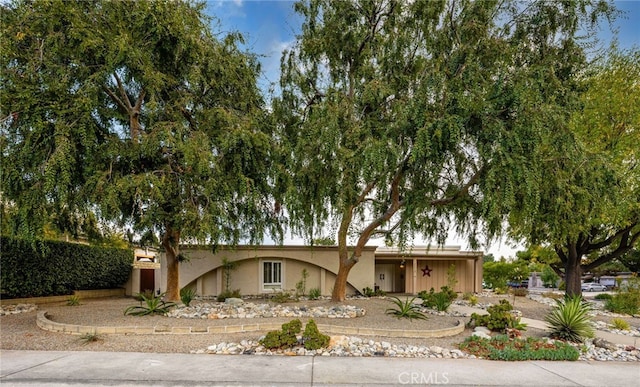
[73, 300]
[570, 320]
[503, 348]
[471, 298]
[314, 293]
[139, 112]
[228, 294]
[549, 277]
[187, 295]
[498, 319]
[627, 302]
[284, 338]
[227, 268]
[312, 338]
[496, 274]
[368, 292]
[282, 297]
[451, 277]
[619, 323]
[152, 305]
[147, 293]
[324, 241]
[405, 309]
[603, 296]
[378, 124]
[440, 300]
[47, 268]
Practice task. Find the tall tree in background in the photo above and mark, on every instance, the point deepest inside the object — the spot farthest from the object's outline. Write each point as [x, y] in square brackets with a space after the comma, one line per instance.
[136, 111]
[409, 117]
[590, 211]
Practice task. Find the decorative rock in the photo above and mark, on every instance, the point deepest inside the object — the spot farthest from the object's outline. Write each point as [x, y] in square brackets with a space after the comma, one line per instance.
[481, 335]
[233, 301]
[602, 343]
[484, 330]
[338, 341]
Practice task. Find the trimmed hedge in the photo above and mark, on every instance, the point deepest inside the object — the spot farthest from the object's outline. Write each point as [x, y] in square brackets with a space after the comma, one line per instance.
[49, 268]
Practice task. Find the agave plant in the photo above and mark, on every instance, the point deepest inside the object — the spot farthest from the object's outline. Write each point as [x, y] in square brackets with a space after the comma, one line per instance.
[187, 295]
[152, 305]
[570, 320]
[405, 309]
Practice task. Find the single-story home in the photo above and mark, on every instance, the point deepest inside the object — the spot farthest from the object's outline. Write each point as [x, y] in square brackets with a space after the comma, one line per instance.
[269, 269]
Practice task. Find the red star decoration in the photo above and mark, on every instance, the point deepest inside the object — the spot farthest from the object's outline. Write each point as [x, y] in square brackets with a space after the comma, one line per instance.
[426, 271]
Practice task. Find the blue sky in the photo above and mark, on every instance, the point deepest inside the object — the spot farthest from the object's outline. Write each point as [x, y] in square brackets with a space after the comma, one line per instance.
[270, 27]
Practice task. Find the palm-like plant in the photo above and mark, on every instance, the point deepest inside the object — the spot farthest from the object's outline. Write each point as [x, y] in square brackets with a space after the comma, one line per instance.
[152, 305]
[570, 320]
[406, 309]
[187, 295]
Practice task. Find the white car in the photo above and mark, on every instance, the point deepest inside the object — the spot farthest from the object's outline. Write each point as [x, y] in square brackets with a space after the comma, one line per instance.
[593, 287]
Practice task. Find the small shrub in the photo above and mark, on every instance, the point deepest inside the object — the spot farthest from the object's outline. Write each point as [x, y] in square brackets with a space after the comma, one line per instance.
[312, 338]
[89, 338]
[624, 302]
[379, 293]
[368, 292]
[500, 290]
[498, 319]
[603, 296]
[73, 300]
[228, 294]
[562, 286]
[570, 320]
[282, 297]
[187, 295]
[152, 305]
[301, 286]
[520, 292]
[467, 295]
[473, 300]
[314, 293]
[503, 348]
[440, 300]
[621, 324]
[405, 309]
[284, 338]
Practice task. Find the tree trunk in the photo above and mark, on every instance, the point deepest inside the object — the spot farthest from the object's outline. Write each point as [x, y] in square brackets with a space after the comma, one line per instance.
[573, 272]
[171, 242]
[340, 286]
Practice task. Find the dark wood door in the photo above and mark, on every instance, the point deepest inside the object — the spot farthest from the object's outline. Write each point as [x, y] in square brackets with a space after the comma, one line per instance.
[147, 280]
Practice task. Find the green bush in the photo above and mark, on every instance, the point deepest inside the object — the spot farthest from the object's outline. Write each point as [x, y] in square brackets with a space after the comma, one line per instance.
[284, 338]
[603, 296]
[314, 294]
[520, 292]
[187, 295]
[570, 320]
[73, 300]
[498, 319]
[503, 348]
[47, 268]
[152, 305]
[627, 302]
[440, 300]
[312, 338]
[618, 323]
[405, 309]
[282, 297]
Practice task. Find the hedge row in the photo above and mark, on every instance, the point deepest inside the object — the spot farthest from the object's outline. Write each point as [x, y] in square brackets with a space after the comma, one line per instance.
[49, 268]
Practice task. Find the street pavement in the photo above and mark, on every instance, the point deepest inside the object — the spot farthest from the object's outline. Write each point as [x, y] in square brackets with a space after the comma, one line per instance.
[51, 368]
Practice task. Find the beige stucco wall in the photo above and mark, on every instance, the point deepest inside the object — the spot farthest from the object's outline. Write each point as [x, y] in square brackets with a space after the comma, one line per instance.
[203, 271]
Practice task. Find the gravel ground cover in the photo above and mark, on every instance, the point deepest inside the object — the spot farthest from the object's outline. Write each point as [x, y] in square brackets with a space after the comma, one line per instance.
[19, 331]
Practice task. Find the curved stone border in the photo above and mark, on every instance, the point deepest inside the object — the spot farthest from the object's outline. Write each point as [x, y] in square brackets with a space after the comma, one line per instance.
[44, 323]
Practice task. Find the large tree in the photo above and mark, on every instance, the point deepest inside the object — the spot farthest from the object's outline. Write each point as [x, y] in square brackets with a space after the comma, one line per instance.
[135, 111]
[589, 212]
[407, 117]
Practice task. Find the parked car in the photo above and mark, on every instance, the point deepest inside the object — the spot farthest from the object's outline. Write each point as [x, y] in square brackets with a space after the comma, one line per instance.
[514, 284]
[593, 287]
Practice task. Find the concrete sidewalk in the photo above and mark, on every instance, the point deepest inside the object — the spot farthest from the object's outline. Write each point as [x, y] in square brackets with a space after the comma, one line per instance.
[36, 368]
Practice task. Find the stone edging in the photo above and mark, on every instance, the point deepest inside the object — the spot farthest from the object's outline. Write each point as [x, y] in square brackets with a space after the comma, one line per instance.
[44, 323]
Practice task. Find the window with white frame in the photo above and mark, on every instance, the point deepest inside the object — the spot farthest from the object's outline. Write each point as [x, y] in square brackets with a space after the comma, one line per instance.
[272, 275]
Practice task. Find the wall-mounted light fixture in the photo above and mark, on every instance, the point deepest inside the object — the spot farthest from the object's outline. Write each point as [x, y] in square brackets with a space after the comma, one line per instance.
[402, 264]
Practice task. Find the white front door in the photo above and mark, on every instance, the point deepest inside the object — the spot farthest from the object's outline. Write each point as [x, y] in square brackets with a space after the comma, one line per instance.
[384, 277]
